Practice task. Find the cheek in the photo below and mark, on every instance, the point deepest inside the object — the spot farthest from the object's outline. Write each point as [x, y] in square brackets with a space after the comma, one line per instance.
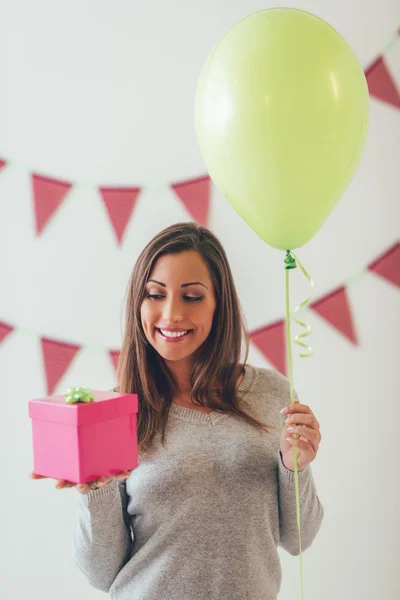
[207, 318]
[147, 316]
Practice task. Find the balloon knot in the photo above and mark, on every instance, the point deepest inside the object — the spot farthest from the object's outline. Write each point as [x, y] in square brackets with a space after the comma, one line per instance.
[290, 262]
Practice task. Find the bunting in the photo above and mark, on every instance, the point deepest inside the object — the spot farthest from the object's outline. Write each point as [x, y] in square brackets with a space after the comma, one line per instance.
[335, 309]
[57, 357]
[4, 331]
[119, 203]
[381, 84]
[388, 265]
[114, 355]
[194, 193]
[48, 195]
[270, 339]
[195, 196]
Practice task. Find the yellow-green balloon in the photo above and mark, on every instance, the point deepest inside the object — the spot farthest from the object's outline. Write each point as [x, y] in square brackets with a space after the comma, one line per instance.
[281, 118]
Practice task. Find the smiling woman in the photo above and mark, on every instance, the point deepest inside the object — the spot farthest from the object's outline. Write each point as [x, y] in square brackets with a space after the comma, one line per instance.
[181, 354]
[184, 330]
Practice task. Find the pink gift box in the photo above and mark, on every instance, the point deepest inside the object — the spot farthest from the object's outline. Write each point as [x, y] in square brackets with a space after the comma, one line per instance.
[84, 441]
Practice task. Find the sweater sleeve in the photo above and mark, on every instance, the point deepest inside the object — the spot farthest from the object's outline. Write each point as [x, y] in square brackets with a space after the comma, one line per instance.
[103, 540]
[311, 510]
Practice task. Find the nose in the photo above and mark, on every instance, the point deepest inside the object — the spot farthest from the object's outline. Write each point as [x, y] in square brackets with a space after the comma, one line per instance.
[172, 311]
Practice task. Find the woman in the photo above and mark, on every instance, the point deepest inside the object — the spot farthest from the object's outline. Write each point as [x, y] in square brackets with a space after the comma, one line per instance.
[213, 496]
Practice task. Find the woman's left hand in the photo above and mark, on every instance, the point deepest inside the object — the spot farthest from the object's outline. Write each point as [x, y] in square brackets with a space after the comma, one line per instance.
[301, 421]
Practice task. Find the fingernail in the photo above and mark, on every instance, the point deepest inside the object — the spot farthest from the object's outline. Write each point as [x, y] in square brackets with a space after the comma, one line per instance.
[284, 411]
[290, 428]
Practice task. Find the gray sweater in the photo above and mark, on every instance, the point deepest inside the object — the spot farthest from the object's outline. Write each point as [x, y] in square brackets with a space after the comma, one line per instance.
[201, 519]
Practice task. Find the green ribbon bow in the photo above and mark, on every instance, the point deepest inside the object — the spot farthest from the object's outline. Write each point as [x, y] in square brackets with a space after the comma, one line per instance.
[78, 394]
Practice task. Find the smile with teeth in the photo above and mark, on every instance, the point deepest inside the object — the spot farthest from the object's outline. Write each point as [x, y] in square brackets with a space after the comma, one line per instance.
[172, 335]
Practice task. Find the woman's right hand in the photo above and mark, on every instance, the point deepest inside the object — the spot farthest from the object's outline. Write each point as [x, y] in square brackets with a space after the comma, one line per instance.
[84, 488]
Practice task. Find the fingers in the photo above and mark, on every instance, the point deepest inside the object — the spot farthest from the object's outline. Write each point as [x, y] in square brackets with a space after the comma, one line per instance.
[305, 447]
[306, 435]
[122, 476]
[62, 483]
[35, 476]
[83, 488]
[296, 407]
[303, 419]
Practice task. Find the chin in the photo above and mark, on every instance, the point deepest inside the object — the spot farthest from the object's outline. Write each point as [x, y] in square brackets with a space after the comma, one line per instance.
[174, 356]
[174, 353]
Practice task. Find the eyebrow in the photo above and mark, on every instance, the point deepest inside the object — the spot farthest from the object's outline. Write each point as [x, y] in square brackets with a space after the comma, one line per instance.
[184, 285]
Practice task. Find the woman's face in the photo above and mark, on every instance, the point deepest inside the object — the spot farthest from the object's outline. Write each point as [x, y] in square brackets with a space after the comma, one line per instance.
[179, 304]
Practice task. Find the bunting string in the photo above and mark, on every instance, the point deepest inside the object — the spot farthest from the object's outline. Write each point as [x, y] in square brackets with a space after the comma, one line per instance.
[334, 307]
[49, 193]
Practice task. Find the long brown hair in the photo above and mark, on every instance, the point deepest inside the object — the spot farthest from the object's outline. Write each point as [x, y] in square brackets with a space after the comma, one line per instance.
[141, 370]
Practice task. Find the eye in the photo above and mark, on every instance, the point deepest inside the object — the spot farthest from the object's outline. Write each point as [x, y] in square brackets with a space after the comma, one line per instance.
[186, 298]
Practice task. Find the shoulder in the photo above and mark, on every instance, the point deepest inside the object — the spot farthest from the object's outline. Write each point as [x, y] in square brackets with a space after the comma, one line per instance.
[271, 383]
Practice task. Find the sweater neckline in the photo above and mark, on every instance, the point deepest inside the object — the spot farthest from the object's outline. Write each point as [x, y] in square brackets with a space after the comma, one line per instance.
[190, 414]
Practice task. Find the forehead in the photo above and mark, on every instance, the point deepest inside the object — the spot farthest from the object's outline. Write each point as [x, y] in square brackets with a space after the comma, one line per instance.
[181, 268]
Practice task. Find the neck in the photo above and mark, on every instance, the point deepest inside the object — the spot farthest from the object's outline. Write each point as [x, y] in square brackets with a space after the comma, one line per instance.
[181, 370]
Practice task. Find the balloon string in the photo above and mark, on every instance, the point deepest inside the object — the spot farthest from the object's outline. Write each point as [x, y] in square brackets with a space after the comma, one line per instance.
[294, 449]
[291, 261]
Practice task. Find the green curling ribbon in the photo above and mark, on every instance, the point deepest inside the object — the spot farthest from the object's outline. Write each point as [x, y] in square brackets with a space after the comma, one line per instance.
[291, 261]
[299, 307]
[78, 394]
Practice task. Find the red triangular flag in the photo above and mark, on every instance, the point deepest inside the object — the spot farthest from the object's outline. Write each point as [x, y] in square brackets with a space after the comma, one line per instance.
[195, 195]
[119, 203]
[388, 265]
[57, 357]
[335, 308]
[114, 355]
[381, 84]
[2, 163]
[4, 331]
[271, 340]
[48, 195]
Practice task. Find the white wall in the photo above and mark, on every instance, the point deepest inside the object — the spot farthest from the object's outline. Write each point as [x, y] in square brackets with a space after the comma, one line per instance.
[101, 92]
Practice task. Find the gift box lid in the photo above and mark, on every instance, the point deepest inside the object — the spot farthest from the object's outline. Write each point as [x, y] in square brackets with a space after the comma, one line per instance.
[106, 405]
